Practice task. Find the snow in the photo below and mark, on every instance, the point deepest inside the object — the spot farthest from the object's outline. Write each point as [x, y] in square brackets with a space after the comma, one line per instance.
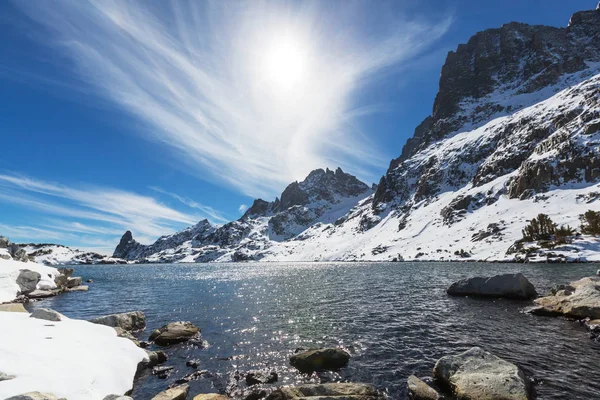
[73, 359]
[9, 271]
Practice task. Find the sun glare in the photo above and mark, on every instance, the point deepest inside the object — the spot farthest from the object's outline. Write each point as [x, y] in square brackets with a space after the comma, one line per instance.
[285, 64]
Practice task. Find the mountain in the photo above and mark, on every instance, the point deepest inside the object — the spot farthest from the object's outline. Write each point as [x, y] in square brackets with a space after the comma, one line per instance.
[323, 197]
[514, 132]
[56, 254]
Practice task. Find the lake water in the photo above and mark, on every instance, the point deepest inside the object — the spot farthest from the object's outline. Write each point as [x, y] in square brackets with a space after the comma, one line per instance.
[394, 318]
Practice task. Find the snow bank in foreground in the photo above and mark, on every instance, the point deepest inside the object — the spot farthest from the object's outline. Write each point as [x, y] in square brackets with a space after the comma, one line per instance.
[74, 359]
[9, 271]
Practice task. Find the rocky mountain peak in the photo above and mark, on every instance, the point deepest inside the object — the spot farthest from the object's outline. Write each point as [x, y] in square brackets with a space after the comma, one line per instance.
[127, 247]
[482, 78]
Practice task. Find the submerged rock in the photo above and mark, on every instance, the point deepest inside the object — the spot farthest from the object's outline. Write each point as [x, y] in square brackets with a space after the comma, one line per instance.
[175, 332]
[580, 299]
[129, 321]
[176, 393]
[419, 390]
[338, 391]
[320, 360]
[47, 314]
[510, 286]
[479, 375]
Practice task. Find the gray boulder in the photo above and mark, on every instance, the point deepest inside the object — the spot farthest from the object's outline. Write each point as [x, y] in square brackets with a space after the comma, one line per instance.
[320, 360]
[479, 375]
[510, 286]
[129, 321]
[28, 280]
[175, 393]
[18, 254]
[47, 314]
[580, 300]
[175, 332]
[35, 396]
[68, 272]
[73, 281]
[419, 390]
[338, 391]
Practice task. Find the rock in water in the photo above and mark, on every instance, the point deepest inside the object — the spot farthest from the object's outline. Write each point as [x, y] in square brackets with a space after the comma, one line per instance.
[47, 314]
[479, 375]
[419, 390]
[210, 396]
[35, 396]
[320, 360]
[338, 391]
[175, 332]
[582, 302]
[73, 281]
[510, 286]
[175, 393]
[129, 321]
[28, 280]
[261, 377]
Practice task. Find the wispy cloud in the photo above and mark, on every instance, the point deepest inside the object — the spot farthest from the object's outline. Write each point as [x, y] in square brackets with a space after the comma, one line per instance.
[105, 211]
[195, 73]
[215, 216]
[242, 208]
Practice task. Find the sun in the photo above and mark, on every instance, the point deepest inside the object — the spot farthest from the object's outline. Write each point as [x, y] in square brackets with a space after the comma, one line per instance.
[284, 64]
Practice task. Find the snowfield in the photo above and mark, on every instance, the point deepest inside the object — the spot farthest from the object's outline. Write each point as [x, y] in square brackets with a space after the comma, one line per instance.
[9, 271]
[71, 359]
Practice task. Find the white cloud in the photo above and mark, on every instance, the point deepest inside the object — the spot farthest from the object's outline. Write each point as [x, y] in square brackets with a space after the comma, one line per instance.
[242, 208]
[194, 72]
[215, 216]
[108, 211]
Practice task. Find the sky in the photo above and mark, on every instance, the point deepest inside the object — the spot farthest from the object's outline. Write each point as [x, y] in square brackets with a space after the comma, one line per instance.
[150, 116]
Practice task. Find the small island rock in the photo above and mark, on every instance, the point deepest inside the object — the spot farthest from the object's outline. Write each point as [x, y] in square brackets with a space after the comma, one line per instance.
[510, 286]
[175, 332]
[479, 375]
[320, 360]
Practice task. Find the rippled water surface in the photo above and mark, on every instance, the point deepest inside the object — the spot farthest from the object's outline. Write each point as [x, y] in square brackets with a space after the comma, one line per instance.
[395, 320]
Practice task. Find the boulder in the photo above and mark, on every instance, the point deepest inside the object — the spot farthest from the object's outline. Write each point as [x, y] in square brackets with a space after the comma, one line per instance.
[479, 375]
[129, 321]
[18, 254]
[6, 377]
[4, 242]
[195, 363]
[42, 294]
[12, 307]
[175, 332]
[320, 360]
[162, 372]
[68, 272]
[80, 288]
[260, 377]
[176, 393]
[61, 281]
[580, 300]
[47, 314]
[210, 396]
[338, 391]
[419, 390]
[154, 358]
[73, 281]
[510, 286]
[35, 396]
[28, 280]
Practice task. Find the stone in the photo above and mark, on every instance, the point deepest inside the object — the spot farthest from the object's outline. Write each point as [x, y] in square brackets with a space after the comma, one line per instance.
[80, 288]
[68, 272]
[320, 360]
[510, 286]
[73, 281]
[89, 281]
[338, 391]
[192, 376]
[195, 363]
[129, 321]
[154, 358]
[61, 280]
[175, 393]
[479, 375]
[260, 377]
[4, 242]
[18, 254]
[42, 294]
[210, 396]
[28, 280]
[581, 300]
[12, 307]
[419, 390]
[6, 377]
[47, 314]
[162, 372]
[175, 332]
[34, 396]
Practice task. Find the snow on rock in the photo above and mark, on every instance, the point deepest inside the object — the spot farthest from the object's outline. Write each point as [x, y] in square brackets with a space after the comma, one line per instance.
[56, 254]
[71, 359]
[10, 270]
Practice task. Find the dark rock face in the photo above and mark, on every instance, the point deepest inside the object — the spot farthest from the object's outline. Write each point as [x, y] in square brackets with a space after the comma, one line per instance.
[128, 248]
[320, 360]
[511, 286]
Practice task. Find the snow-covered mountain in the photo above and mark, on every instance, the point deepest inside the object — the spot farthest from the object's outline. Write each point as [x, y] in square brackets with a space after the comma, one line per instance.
[56, 254]
[514, 132]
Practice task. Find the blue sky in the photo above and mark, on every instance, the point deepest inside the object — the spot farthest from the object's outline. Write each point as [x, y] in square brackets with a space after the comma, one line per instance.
[150, 116]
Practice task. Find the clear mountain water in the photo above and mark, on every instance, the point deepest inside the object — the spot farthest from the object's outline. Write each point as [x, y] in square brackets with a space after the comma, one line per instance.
[394, 318]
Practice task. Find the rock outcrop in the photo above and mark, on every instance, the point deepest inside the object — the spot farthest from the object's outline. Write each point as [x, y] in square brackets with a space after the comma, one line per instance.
[479, 375]
[510, 286]
[175, 332]
[129, 321]
[579, 299]
[320, 360]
